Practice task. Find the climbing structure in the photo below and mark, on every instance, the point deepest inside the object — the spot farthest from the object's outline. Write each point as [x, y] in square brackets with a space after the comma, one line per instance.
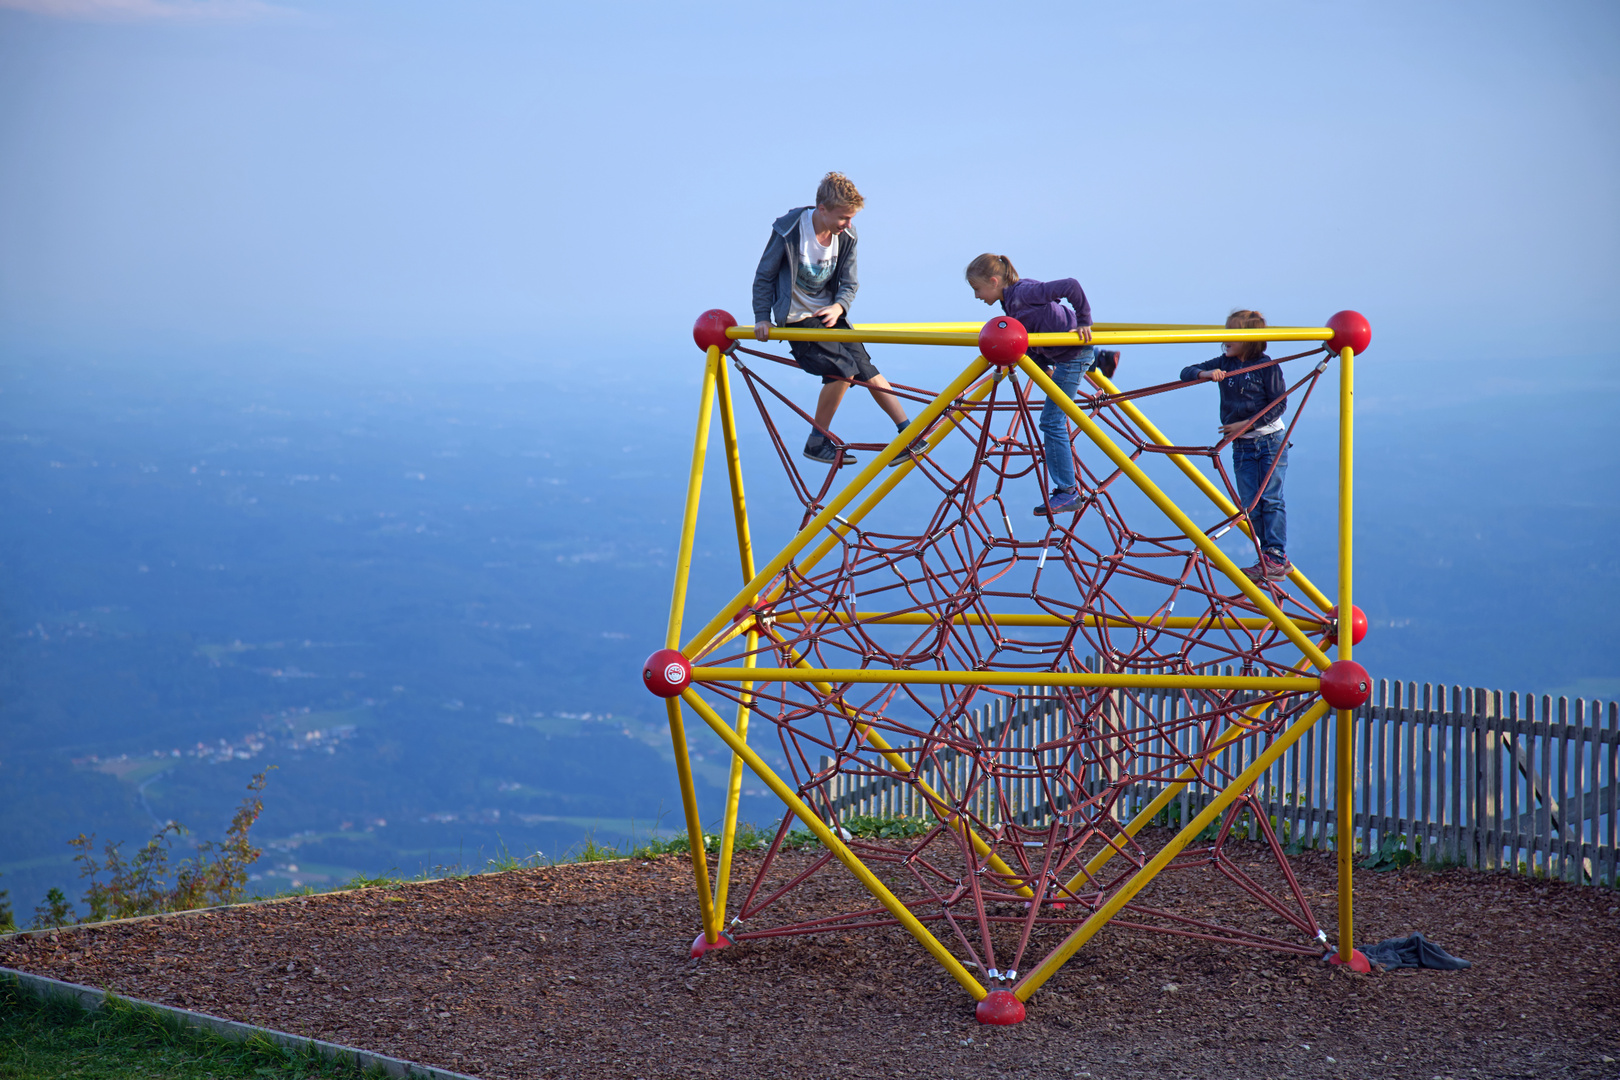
[903, 646]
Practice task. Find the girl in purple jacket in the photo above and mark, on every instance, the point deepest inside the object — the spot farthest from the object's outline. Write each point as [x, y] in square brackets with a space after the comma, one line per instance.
[1037, 304]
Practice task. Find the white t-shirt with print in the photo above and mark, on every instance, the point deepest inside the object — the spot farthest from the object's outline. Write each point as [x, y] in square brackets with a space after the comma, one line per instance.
[812, 278]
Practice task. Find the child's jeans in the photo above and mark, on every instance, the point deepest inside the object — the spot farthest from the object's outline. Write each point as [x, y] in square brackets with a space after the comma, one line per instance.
[1251, 460]
[1055, 422]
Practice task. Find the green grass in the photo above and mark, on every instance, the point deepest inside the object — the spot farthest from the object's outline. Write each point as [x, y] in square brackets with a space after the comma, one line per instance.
[57, 1038]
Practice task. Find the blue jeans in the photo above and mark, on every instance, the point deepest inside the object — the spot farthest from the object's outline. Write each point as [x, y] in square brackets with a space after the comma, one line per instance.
[1055, 422]
[1251, 460]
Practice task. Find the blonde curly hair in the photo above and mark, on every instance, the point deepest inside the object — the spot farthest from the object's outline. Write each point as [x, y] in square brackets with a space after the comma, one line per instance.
[836, 189]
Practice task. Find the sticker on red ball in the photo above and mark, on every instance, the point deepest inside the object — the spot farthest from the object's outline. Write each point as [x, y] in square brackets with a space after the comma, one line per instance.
[666, 673]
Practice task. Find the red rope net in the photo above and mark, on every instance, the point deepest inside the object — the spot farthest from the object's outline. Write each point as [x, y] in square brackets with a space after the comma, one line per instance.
[1009, 795]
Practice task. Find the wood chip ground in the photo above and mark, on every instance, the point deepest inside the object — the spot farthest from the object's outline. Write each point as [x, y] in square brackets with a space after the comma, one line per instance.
[582, 971]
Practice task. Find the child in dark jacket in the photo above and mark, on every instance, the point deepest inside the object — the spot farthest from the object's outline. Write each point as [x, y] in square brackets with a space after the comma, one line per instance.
[806, 278]
[1037, 305]
[1252, 406]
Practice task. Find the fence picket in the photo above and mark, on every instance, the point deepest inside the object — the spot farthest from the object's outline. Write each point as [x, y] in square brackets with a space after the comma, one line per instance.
[1604, 791]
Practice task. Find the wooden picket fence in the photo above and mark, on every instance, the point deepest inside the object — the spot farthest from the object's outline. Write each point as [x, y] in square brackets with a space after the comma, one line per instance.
[1481, 778]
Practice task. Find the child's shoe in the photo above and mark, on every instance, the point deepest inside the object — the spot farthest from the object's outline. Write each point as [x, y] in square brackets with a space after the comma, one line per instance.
[1277, 566]
[1061, 502]
[821, 449]
[918, 447]
[1107, 362]
[1269, 568]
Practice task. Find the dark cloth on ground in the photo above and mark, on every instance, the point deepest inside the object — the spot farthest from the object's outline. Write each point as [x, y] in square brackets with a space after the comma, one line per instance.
[1414, 951]
[832, 360]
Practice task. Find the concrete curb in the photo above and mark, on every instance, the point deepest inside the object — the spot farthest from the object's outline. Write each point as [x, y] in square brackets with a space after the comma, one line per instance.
[91, 998]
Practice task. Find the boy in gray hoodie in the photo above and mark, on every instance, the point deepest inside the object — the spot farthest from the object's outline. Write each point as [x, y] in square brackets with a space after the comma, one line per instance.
[806, 278]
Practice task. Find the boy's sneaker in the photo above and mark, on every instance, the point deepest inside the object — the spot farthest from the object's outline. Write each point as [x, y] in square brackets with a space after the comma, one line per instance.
[918, 447]
[1269, 568]
[825, 451]
[1107, 362]
[1061, 502]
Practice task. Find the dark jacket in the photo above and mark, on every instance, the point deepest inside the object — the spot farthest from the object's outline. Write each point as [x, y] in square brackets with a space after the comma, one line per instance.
[1036, 305]
[1244, 395]
[773, 281]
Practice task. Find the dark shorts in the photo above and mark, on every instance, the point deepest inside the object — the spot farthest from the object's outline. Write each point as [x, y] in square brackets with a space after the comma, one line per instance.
[832, 360]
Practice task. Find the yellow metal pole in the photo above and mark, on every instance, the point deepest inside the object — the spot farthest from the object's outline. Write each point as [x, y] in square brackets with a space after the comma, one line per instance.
[975, 327]
[830, 840]
[1344, 758]
[703, 637]
[1281, 684]
[694, 490]
[1175, 514]
[973, 618]
[694, 827]
[1138, 881]
[1204, 484]
[672, 637]
[745, 552]
[970, 338]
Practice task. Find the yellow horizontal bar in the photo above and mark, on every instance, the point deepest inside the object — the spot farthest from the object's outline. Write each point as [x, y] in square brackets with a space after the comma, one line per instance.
[923, 618]
[1103, 337]
[1276, 684]
[975, 327]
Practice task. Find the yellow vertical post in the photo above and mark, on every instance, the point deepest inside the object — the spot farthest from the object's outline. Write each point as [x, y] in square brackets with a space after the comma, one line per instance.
[745, 552]
[672, 640]
[1344, 758]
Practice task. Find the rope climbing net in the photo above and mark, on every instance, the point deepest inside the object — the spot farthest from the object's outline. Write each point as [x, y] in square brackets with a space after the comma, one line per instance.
[1019, 684]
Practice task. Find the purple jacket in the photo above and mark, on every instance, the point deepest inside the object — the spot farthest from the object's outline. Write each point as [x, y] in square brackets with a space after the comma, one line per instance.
[1035, 304]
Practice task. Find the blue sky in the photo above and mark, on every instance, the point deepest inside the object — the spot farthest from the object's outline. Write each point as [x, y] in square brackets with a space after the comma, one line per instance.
[520, 175]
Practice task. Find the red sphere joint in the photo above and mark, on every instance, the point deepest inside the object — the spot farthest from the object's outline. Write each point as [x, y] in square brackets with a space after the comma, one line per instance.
[1358, 626]
[1346, 685]
[1003, 341]
[1358, 961]
[710, 330]
[1350, 328]
[701, 944]
[667, 673]
[999, 1007]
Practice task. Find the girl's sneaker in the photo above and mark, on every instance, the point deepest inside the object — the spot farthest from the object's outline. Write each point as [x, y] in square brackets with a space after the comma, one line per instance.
[1107, 362]
[1061, 502]
[1269, 568]
[822, 449]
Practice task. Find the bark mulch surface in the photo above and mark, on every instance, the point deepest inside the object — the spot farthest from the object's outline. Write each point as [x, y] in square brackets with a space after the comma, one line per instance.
[582, 971]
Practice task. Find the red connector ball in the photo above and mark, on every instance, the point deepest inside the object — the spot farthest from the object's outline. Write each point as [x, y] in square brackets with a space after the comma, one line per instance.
[667, 673]
[999, 1006]
[710, 330]
[701, 944]
[1350, 328]
[1346, 685]
[1358, 626]
[1358, 961]
[1003, 341]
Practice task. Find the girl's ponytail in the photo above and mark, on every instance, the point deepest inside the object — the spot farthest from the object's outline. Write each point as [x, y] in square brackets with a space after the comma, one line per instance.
[989, 266]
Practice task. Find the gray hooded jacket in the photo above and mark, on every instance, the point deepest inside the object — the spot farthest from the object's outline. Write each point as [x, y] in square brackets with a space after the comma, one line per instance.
[773, 281]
